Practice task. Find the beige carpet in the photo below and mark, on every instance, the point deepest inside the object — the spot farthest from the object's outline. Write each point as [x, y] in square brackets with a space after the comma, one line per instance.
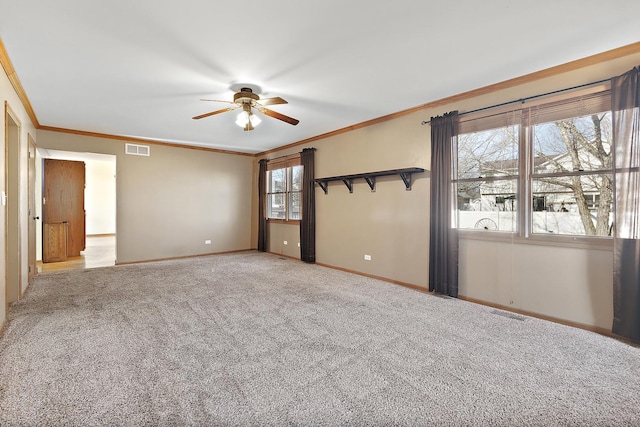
[254, 339]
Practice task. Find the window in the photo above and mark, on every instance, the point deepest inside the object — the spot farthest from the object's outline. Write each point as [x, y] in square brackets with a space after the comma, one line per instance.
[284, 186]
[557, 153]
[572, 170]
[488, 170]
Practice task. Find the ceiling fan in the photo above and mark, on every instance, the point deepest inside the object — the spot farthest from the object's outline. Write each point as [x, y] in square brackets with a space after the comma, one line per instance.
[247, 100]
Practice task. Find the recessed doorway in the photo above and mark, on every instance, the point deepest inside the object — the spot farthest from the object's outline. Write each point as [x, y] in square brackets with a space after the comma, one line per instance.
[99, 249]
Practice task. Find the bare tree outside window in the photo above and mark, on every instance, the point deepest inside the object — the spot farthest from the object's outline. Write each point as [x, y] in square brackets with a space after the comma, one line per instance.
[567, 171]
[573, 171]
[487, 179]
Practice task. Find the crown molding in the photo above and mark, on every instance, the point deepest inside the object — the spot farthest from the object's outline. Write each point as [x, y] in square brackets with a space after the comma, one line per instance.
[141, 140]
[598, 58]
[17, 86]
[620, 52]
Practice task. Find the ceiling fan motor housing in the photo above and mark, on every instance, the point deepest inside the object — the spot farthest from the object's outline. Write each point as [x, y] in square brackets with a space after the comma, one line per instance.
[245, 96]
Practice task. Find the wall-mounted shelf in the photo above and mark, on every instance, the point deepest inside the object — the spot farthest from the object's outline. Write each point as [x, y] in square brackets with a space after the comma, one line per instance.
[369, 177]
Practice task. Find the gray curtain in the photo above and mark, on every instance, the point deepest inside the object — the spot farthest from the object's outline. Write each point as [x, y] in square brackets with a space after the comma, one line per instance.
[308, 221]
[625, 99]
[262, 216]
[443, 236]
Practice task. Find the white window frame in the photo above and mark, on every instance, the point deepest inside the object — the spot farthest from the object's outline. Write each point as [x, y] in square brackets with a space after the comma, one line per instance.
[525, 177]
[286, 165]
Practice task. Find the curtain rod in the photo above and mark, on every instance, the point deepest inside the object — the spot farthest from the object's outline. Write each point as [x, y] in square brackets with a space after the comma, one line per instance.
[521, 100]
[282, 157]
[290, 155]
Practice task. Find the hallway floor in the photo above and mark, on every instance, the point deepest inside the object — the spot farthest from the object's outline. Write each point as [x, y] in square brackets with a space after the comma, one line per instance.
[100, 252]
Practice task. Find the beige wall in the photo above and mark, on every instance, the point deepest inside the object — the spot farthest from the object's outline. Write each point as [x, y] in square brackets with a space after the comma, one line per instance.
[18, 249]
[392, 225]
[574, 284]
[170, 203]
[100, 196]
[389, 224]
[280, 233]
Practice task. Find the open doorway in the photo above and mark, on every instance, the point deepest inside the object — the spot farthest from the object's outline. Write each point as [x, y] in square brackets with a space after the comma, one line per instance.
[100, 210]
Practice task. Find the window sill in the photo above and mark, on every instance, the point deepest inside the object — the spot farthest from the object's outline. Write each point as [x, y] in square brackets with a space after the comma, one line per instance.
[579, 242]
[284, 221]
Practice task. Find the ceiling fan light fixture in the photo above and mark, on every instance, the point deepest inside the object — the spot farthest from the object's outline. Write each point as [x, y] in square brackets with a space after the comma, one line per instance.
[255, 120]
[243, 119]
[248, 120]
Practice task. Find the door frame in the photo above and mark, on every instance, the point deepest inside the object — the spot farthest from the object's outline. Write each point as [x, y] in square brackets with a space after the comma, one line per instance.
[55, 154]
[32, 209]
[12, 201]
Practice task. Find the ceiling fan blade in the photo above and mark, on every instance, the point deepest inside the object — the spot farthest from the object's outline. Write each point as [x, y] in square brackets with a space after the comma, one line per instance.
[272, 101]
[224, 110]
[279, 116]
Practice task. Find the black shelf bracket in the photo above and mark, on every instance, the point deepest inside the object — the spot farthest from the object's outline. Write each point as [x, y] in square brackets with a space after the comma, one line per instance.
[324, 185]
[406, 178]
[370, 178]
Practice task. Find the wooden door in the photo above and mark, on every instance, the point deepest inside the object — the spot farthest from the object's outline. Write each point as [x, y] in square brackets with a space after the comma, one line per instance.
[54, 242]
[32, 217]
[63, 200]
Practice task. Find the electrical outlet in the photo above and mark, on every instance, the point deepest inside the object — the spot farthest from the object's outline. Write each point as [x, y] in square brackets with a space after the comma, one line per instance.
[286, 243]
[367, 257]
[207, 242]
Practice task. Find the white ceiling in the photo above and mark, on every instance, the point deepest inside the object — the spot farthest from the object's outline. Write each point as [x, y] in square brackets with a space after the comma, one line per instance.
[139, 68]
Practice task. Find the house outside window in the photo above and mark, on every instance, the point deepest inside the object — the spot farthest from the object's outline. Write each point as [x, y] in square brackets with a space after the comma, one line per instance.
[284, 186]
[543, 170]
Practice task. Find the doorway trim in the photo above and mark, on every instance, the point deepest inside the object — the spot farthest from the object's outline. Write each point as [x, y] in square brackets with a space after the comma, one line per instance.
[12, 201]
[32, 209]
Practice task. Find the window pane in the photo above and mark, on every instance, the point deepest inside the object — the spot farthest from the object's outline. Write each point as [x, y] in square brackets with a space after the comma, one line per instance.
[486, 205]
[295, 209]
[574, 144]
[486, 153]
[573, 205]
[276, 206]
[296, 178]
[276, 181]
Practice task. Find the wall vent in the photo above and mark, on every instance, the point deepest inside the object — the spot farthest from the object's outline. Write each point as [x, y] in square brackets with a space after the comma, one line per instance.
[137, 150]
